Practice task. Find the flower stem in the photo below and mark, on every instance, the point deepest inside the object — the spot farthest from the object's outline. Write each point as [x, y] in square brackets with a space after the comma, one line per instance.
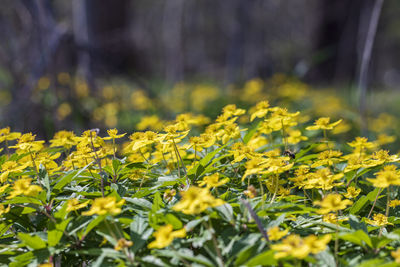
[337, 244]
[215, 243]
[373, 205]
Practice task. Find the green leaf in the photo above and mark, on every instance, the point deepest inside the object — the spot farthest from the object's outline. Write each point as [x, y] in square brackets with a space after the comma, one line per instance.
[157, 202]
[199, 168]
[56, 231]
[303, 151]
[226, 212]
[266, 258]
[154, 261]
[116, 163]
[379, 242]
[192, 224]
[356, 224]
[32, 241]
[245, 254]
[326, 259]
[359, 237]
[363, 200]
[141, 202]
[174, 221]
[4, 227]
[60, 214]
[360, 203]
[250, 133]
[277, 222]
[27, 210]
[44, 176]
[140, 232]
[187, 255]
[66, 179]
[372, 263]
[23, 200]
[94, 223]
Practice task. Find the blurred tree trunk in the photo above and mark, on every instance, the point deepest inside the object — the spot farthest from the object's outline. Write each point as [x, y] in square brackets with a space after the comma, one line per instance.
[80, 12]
[34, 54]
[101, 30]
[235, 52]
[172, 38]
[336, 41]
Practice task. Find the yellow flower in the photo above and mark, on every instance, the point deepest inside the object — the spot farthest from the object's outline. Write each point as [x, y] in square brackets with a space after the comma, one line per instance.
[386, 177]
[330, 218]
[352, 192]
[384, 139]
[24, 187]
[4, 209]
[9, 167]
[360, 143]
[3, 188]
[196, 200]
[294, 246]
[65, 139]
[73, 204]
[123, 243]
[275, 234]
[105, 205]
[378, 220]
[231, 110]
[213, 181]
[173, 133]
[169, 194]
[317, 244]
[150, 122]
[393, 203]
[299, 248]
[328, 157]
[323, 124]
[396, 255]
[27, 144]
[342, 128]
[113, 134]
[261, 110]
[140, 140]
[230, 131]
[332, 202]
[46, 265]
[7, 135]
[165, 235]
[295, 137]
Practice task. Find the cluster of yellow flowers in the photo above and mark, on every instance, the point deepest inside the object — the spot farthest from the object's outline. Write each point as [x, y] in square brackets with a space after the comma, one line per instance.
[256, 159]
[299, 248]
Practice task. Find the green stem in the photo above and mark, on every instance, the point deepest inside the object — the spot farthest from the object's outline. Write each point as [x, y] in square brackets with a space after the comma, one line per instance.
[337, 244]
[215, 243]
[373, 205]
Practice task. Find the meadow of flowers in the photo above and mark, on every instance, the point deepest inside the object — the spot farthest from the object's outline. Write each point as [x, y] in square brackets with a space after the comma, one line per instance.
[266, 183]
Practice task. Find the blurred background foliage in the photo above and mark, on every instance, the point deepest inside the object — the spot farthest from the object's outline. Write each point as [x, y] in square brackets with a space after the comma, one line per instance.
[83, 64]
